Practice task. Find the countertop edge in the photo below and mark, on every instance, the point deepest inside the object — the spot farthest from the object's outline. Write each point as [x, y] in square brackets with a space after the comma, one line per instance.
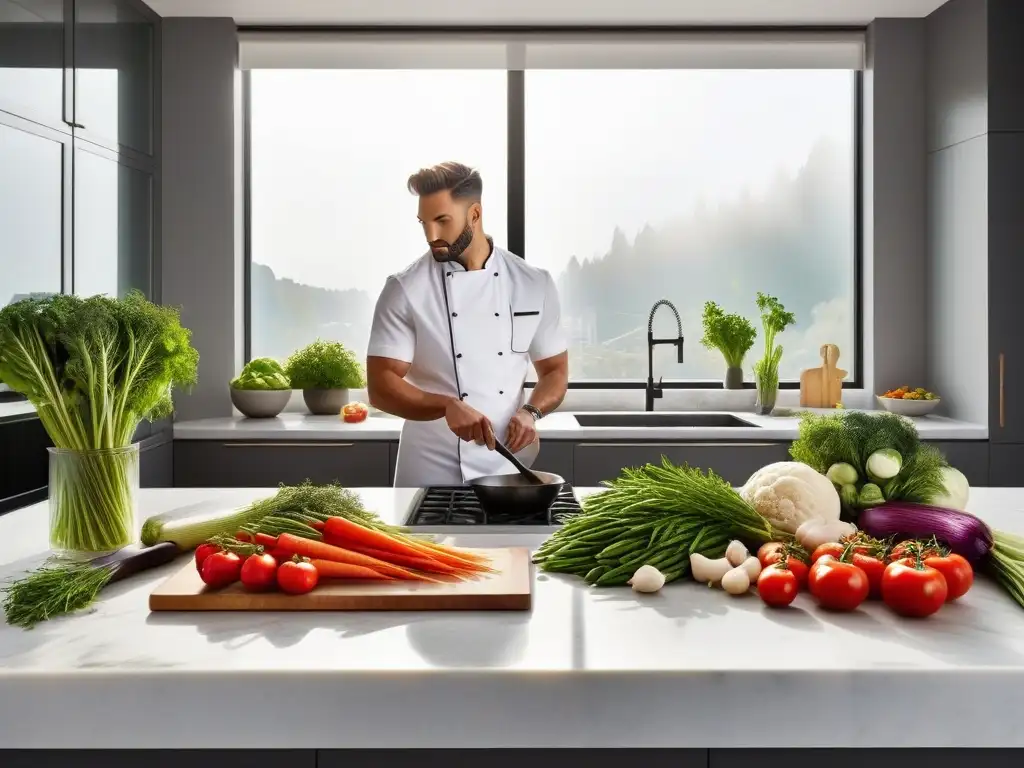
[398, 710]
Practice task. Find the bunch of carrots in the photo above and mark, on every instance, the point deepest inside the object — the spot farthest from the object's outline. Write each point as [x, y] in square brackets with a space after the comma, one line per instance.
[346, 550]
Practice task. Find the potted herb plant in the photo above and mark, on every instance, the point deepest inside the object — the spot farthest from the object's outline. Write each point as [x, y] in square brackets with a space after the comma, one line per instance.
[733, 336]
[94, 368]
[774, 320]
[261, 390]
[325, 371]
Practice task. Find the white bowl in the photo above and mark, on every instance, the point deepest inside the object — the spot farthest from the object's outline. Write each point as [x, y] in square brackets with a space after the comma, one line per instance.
[909, 407]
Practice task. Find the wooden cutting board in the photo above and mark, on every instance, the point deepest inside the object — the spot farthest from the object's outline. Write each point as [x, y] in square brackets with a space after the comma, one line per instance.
[510, 589]
[822, 387]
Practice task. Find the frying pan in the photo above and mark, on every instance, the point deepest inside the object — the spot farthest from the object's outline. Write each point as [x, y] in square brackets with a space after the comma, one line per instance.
[526, 494]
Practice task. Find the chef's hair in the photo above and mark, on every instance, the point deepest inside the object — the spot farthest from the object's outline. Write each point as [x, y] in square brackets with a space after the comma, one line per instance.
[458, 179]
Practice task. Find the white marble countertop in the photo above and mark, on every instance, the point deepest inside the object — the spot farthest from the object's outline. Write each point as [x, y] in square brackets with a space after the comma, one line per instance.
[13, 409]
[585, 667]
[556, 426]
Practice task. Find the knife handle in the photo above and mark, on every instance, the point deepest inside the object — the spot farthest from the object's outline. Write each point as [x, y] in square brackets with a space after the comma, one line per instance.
[134, 559]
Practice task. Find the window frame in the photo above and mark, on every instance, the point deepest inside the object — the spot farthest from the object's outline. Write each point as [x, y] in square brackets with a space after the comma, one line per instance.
[516, 227]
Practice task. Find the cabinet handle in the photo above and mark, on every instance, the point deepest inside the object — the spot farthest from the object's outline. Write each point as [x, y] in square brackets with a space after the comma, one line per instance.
[306, 444]
[684, 444]
[1002, 399]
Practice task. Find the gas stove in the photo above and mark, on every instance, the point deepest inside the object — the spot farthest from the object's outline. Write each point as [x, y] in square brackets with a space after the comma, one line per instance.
[458, 505]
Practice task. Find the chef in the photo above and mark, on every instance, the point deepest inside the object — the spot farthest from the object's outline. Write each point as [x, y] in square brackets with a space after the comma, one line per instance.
[453, 337]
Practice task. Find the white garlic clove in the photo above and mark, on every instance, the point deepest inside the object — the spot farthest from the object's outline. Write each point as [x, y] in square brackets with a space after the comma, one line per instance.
[753, 568]
[708, 571]
[736, 553]
[647, 579]
[736, 581]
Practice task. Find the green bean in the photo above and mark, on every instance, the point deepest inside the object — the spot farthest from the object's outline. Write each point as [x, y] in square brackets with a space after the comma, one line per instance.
[595, 573]
[616, 576]
[621, 547]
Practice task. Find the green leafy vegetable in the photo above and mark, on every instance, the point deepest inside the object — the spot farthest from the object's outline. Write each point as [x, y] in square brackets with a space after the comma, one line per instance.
[94, 368]
[732, 335]
[324, 365]
[657, 516]
[842, 473]
[262, 373]
[774, 320]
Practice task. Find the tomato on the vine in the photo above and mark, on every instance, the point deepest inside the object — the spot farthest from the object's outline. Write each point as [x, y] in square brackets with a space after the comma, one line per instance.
[259, 572]
[771, 549]
[833, 548]
[912, 588]
[910, 548]
[203, 551]
[836, 585]
[791, 555]
[957, 572]
[296, 577]
[221, 569]
[778, 584]
[874, 569]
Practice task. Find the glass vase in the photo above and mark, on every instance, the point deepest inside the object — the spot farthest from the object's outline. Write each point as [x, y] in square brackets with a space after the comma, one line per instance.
[93, 500]
[767, 391]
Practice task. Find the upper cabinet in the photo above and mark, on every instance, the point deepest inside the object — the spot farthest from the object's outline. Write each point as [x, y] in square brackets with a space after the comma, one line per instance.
[113, 72]
[32, 60]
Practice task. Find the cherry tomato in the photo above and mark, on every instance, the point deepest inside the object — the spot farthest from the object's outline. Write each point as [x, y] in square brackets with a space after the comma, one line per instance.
[203, 551]
[297, 577]
[833, 548]
[778, 585]
[913, 591]
[767, 550]
[354, 412]
[259, 572]
[873, 568]
[796, 565]
[909, 549]
[956, 571]
[221, 569]
[836, 585]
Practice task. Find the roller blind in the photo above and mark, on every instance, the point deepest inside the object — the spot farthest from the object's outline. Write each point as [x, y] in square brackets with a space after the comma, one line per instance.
[538, 50]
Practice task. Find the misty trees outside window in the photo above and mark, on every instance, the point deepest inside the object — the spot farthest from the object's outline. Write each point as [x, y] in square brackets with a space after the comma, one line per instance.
[689, 185]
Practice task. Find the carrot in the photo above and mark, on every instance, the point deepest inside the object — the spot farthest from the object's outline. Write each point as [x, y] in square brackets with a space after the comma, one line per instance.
[243, 536]
[266, 541]
[330, 569]
[319, 550]
[317, 524]
[419, 563]
[434, 546]
[340, 529]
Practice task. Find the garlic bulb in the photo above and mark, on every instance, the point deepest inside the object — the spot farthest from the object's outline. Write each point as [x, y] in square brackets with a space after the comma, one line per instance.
[736, 553]
[736, 581]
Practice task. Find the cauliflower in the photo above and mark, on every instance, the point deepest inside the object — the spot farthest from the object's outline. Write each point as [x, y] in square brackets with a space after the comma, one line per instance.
[789, 493]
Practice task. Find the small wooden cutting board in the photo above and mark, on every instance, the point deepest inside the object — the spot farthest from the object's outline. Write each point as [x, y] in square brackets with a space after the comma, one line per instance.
[510, 589]
[822, 387]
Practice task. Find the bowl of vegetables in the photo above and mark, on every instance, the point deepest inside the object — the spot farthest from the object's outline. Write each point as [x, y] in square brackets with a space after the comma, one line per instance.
[909, 402]
[261, 390]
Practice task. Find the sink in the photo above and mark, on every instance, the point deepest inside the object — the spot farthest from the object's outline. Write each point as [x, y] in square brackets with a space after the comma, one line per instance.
[655, 419]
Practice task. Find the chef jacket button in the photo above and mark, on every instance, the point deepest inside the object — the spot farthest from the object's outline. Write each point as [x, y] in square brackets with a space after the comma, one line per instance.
[495, 274]
[501, 353]
[464, 394]
[496, 314]
[449, 274]
[501, 391]
[455, 314]
[459, 355]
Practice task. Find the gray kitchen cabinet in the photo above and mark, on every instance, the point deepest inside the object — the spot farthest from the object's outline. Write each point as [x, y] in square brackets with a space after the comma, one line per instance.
[557, 457]
[156, 461]
[1005, 465]
[969, 456]
[265, 464]
[155, 758]
[509, 758]
[854, 758]
[392, 461]
[735, 462]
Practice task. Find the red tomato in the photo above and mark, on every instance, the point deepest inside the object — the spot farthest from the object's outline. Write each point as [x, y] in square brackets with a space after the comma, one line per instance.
[221, 569]
[259, 572]
[837, 586]
[912, 591]
[833, 548]
[770, 549]
[203, 551]
[909, 548]
[873, 568]
[795, 564]
[297, 577]
[956, 571]
[778, 585]
[354, 412]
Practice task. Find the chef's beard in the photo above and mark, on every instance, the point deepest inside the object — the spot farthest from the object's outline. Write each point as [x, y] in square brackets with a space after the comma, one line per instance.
[454, 250]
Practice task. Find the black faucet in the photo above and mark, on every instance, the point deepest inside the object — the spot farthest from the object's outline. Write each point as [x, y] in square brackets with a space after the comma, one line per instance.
[655, 390]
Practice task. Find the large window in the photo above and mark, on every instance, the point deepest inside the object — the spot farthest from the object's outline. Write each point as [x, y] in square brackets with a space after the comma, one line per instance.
[628, 185]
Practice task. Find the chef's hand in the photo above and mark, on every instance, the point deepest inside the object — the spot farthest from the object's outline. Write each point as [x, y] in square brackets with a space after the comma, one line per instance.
[522, 431]
[469, 424]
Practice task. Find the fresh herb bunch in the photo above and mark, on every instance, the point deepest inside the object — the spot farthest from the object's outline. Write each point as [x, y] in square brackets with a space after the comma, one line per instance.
[263, 373]
[324, 365]
[732, 335]
[656, 515]
[774, 320]
[94, 368]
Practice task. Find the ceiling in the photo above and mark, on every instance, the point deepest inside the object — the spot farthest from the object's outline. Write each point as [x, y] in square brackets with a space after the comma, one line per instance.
[549, 12]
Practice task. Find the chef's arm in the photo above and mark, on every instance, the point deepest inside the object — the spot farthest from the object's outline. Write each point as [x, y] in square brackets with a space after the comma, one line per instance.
[552, 382]
[390, 392]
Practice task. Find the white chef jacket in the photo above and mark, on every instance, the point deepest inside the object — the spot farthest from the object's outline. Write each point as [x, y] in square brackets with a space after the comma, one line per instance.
[468, 334]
